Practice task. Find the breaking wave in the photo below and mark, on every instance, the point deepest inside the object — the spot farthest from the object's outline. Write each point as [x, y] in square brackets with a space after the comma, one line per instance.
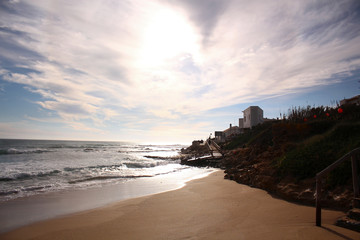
[25, 176]
[22, 151]
[37, 166]
[108, 177]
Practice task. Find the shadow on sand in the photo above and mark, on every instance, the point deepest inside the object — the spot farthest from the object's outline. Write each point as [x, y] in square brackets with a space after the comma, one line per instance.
[336, 233]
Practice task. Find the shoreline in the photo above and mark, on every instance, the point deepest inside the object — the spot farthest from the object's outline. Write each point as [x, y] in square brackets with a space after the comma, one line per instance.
[206, 208]
[23, 211]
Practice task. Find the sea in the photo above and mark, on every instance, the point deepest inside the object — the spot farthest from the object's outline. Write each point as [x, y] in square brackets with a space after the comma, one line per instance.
[48, 178]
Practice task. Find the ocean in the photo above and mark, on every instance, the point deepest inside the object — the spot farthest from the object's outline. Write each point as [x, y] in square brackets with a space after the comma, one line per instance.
[82, 175]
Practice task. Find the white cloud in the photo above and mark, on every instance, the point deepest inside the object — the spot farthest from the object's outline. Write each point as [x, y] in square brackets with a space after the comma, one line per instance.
[102, 60]
[30, 130]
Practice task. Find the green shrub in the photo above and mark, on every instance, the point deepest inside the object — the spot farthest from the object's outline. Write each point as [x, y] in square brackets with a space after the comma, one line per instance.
[249, 136]
[308, 159]
[319, 127]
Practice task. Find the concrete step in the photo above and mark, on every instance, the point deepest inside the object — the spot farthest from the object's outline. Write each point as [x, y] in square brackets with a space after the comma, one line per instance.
[348, 223]
[354, 214]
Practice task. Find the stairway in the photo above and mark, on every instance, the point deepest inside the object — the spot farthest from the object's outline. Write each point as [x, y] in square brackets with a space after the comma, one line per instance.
[352, 219]
[214, 149]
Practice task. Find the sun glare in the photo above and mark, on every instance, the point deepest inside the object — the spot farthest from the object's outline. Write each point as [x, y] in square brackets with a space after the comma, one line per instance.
[167, 35]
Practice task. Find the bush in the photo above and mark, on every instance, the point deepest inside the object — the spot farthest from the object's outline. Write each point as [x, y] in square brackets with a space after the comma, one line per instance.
[250, 136]
[308, 159]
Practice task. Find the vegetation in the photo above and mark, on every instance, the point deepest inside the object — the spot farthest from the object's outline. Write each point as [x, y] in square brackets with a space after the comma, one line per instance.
[316, 153]
[247, 137]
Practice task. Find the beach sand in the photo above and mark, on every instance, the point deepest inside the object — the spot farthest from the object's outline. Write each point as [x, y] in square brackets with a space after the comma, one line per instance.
[207, 208]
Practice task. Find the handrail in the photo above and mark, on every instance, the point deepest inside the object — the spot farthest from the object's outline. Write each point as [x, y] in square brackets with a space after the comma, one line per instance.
[213, 147]
[211, 151]
[353, 155]
[337, 163]
[216, 146]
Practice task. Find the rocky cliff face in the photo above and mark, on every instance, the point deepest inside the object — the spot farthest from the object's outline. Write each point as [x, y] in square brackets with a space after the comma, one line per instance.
[246, 166]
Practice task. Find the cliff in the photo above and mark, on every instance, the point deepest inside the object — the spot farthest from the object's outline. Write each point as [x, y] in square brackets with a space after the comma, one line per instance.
[284, 156]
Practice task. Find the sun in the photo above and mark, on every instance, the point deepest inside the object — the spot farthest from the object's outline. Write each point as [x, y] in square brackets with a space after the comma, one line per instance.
[168, 34]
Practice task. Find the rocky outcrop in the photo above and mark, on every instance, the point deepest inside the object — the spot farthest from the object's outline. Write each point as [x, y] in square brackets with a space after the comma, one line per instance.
[259, 170]
[197, 149]
[199, 155]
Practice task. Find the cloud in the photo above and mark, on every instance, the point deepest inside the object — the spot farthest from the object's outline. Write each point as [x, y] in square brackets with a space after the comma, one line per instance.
[16, 130]
[104, 61]
[271, 55]
[204, 13]
[31, 129]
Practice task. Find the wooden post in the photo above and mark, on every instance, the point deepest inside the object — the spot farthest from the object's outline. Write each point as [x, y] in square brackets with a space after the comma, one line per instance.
[354, 155]
[318, 199]
[355, 175]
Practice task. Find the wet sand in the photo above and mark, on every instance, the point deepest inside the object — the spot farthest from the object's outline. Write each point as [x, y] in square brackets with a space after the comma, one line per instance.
[207, 208]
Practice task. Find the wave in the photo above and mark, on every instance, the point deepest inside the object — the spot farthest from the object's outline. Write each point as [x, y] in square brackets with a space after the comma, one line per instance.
[50, 149]
[117, 166]
[37, 188]
[171, 171]
[26, 176]
[27, 190]
[164, 158]
[144, 151]
[11, 192]
[90, 170]
[18, 151]
[76, 169]
[97, 178]
[24, 147]
[140, 165]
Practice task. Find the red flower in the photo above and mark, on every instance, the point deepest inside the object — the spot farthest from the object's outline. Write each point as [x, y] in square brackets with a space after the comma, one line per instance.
[314, 115]
[327, 114]
[305, 119]
[340, 110]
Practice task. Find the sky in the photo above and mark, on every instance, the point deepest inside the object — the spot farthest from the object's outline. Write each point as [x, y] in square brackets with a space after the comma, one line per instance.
[168, 71]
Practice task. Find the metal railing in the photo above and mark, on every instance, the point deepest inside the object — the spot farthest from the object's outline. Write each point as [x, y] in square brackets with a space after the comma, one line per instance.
[354, 156]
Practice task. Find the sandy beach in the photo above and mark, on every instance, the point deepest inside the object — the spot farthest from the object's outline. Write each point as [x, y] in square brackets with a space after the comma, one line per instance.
[207, 208]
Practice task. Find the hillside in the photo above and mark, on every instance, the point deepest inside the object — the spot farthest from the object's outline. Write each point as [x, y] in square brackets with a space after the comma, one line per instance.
[284, 156]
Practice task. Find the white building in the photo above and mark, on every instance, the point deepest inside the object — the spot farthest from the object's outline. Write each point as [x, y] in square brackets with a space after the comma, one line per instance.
[253, 116]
